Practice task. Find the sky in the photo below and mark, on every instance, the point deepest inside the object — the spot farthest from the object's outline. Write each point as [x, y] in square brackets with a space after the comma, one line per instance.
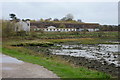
[91, 12]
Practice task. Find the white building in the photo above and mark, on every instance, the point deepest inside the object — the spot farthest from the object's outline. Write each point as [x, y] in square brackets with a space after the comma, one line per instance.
[92, 30]
[54, 29]
[22, 26]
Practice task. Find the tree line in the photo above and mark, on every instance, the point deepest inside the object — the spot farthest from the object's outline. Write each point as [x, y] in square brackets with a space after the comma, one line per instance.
[109, 28]
[68, 17]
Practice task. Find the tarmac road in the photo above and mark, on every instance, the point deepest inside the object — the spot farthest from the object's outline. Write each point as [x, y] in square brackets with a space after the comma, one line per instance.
[13, 68]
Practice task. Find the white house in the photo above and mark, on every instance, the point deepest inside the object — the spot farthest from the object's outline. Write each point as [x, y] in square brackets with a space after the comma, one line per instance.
[22, 26]
[92, 30]
[54, 29]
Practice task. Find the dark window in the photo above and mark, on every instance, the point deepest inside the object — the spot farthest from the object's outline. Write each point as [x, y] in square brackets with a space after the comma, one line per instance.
[28, 24]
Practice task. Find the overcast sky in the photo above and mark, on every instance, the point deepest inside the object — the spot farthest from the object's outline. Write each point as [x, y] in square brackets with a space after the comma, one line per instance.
[98, 12]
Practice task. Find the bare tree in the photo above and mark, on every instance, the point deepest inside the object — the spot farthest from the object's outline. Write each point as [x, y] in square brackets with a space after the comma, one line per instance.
[68, 17]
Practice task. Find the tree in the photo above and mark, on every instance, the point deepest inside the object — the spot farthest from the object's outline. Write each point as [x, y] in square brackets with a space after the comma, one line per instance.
[41, 20]
[79, 20]
[56, 19]
[8, 29]
[49, 19]
[27, 20]
[69, 17]
[32, 20]
[13, 16]
[63, 19]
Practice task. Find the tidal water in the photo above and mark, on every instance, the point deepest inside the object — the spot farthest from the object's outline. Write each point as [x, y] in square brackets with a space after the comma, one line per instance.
[100, 52]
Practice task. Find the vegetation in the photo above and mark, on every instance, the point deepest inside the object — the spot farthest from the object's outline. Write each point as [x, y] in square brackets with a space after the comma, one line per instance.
[8, 29]
[62, 26]
[33, 43]
[108, 28]
[73, 35]
[68, 17]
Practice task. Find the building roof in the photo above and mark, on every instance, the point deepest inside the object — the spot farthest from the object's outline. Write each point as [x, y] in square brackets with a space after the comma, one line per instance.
[78, 23]
[51, 27]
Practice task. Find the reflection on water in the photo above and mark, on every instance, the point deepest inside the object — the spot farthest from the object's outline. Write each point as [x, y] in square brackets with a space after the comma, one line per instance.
[101, 52]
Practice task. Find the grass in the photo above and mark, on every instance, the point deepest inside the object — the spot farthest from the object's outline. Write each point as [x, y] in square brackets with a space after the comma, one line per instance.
[69, 35]
[82, 41]
[61, 37]
[0, 46]
[61, 68]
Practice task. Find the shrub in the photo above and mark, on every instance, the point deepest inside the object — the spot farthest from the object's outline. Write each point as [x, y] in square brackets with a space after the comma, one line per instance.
[8, 29]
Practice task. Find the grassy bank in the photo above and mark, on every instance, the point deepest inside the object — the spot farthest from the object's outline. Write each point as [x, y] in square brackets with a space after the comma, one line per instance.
[59, 41]
[61, 68]
[82, 41]
[65, 35]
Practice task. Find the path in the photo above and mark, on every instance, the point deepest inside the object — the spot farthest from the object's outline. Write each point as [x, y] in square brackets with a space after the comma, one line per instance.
[13, 68]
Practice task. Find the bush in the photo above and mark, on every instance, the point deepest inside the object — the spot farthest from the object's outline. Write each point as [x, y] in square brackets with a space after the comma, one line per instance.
[8, 29]
[21, 33]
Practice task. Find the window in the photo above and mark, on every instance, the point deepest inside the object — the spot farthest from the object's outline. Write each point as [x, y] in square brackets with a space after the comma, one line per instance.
[38, 29]
[27, 24]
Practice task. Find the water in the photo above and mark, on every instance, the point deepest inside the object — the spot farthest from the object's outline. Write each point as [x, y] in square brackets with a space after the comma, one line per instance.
[101, 52]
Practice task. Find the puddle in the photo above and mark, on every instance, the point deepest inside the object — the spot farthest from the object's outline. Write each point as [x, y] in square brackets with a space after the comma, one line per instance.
[7, 59]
